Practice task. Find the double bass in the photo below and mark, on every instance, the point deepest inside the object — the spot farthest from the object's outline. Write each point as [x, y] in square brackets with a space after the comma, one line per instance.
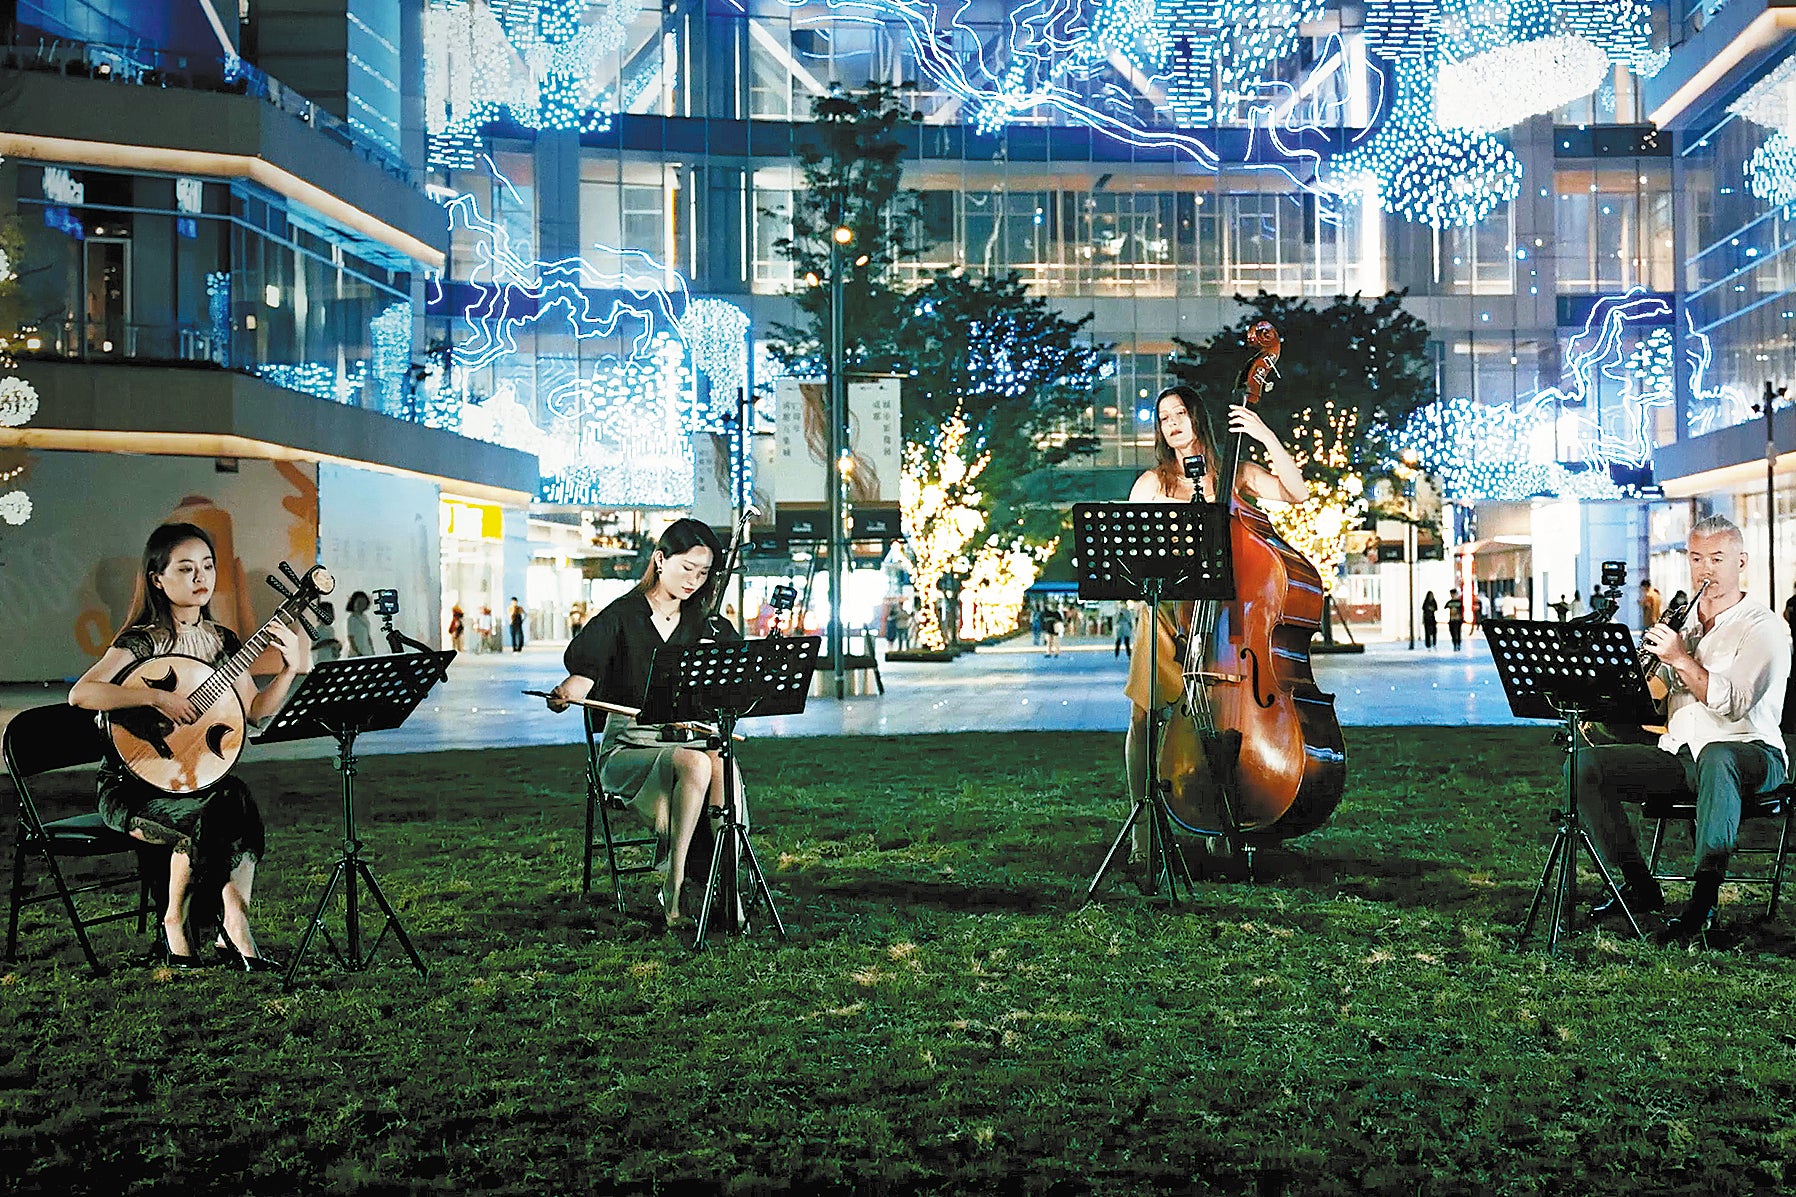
[1254, 745]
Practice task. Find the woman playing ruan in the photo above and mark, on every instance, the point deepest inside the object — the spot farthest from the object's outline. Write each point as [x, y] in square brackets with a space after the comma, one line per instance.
[215, 833]
[609, 661]
[1181, 429]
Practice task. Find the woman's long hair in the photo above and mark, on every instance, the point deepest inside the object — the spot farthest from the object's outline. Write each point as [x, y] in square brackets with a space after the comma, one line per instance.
[149, 604]
[1166, 463]
[682, 536]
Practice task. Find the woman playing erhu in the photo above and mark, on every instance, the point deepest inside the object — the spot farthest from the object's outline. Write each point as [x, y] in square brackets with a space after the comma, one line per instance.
[609, 661]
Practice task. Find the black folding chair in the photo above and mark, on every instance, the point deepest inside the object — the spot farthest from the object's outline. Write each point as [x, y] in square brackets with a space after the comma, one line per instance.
[1776, 807]
[39, 741]
[623, 857]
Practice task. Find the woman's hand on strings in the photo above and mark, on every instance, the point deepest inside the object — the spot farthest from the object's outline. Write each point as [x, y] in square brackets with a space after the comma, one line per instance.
[1247, 422]
[174, 706]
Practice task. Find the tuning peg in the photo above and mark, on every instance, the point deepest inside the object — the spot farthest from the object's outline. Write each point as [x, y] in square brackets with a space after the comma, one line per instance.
[311, 632]
[292, 577]
[279, 587]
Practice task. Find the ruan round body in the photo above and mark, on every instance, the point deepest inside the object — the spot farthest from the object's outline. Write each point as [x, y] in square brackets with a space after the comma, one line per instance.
[178, 759]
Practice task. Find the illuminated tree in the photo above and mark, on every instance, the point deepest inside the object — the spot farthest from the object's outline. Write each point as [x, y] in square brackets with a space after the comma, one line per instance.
[1016, 371]
[943, 513]
[1323, 446]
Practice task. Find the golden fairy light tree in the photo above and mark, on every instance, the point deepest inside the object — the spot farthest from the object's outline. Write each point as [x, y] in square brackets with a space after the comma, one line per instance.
[991, 601]
[1322, 443]
[940, 498]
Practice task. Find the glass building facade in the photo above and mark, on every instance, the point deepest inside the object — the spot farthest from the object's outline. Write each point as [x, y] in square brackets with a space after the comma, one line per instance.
[696, 169]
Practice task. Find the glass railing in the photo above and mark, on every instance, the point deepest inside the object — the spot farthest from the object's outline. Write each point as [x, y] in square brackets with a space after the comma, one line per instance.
[156, 68]
[118, 340]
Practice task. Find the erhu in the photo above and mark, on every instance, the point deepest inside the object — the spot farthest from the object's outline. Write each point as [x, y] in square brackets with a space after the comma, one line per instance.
[724, 571]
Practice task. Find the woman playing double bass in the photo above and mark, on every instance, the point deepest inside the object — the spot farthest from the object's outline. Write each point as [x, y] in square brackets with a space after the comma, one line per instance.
[1181, 430]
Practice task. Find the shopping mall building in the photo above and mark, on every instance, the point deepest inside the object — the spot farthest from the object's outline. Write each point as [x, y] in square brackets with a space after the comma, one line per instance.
[456, 296]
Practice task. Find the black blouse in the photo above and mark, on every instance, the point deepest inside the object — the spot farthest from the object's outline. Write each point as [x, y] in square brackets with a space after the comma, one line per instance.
[615, 647]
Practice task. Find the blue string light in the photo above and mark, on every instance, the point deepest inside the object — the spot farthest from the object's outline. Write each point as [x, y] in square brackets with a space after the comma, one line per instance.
[607, 429]
[1426, 174]
[1564, 441]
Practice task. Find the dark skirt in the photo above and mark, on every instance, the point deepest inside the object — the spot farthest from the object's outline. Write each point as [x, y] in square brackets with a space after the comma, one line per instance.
[218, 827]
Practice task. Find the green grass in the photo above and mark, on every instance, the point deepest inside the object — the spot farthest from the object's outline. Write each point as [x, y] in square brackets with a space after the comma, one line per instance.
[947, 1018]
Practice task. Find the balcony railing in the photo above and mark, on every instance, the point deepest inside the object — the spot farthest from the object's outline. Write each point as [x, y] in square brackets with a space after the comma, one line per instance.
[141, 67]
[116, 340]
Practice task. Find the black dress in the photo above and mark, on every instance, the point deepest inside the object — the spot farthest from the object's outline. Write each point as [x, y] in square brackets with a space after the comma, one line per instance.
[217, 827]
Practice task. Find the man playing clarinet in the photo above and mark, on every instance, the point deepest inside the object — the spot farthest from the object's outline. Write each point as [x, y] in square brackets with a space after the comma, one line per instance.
[1726, 672]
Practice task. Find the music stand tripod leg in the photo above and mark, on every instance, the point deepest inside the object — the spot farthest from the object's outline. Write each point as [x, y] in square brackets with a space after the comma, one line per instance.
[1116, 847]
[1162, 849]
[732, 835]
[1540, 890]
[316, 924]
[380, 898]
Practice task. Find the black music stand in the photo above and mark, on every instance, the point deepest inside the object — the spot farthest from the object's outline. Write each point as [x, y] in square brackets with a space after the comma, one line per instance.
[1570, 672]
[342, 699]
[1154, 552]
[721, 684]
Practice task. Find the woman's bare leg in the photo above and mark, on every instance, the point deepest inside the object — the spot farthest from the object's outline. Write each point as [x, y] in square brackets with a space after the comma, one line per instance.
[180, 879]
[236, 906]
[692, 785]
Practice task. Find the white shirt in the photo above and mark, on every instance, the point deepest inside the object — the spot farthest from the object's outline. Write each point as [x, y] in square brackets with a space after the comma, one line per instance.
[1747, 654]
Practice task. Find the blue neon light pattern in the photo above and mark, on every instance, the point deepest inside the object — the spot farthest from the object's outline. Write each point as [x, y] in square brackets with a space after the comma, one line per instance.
[540, 63]
[612, 429]
[1563, 441]
[1423, 173]
[218, 314]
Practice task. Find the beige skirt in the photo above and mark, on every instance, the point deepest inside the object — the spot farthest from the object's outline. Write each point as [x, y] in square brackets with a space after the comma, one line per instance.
[637, 767]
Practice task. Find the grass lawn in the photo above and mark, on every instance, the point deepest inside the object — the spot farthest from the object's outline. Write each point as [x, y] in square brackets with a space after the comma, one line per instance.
[947, 1018]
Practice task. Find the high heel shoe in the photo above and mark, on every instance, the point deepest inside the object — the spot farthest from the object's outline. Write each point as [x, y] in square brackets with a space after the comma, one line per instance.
[671, 918]
[232, 957]
[170, 958]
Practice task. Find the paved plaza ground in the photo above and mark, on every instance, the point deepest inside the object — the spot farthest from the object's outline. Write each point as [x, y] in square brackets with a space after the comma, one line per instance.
[1007, 687]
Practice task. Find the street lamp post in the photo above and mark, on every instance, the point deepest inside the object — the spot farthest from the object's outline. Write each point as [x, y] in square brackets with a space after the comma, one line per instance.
[1406, 470]
[840, 238]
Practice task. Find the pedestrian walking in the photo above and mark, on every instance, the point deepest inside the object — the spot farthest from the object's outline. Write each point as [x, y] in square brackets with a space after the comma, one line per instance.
[1431, 632]
[457, 625]
[1125, 632]
[1455, 618]
[1035, 625]
[1050, 630]
[515, 614]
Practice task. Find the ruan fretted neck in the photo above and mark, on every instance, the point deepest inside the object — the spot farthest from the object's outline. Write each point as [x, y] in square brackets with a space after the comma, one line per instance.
[225, 676]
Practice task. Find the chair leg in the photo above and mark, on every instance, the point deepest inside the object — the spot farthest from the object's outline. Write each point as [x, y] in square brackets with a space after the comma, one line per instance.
[617, 885]
[1777, 869]
[1652, 862]
[68, 901]
[592, 800]
[18, 894]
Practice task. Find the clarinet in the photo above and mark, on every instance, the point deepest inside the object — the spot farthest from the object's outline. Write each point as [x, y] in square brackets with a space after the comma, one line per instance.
[1674, 618]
